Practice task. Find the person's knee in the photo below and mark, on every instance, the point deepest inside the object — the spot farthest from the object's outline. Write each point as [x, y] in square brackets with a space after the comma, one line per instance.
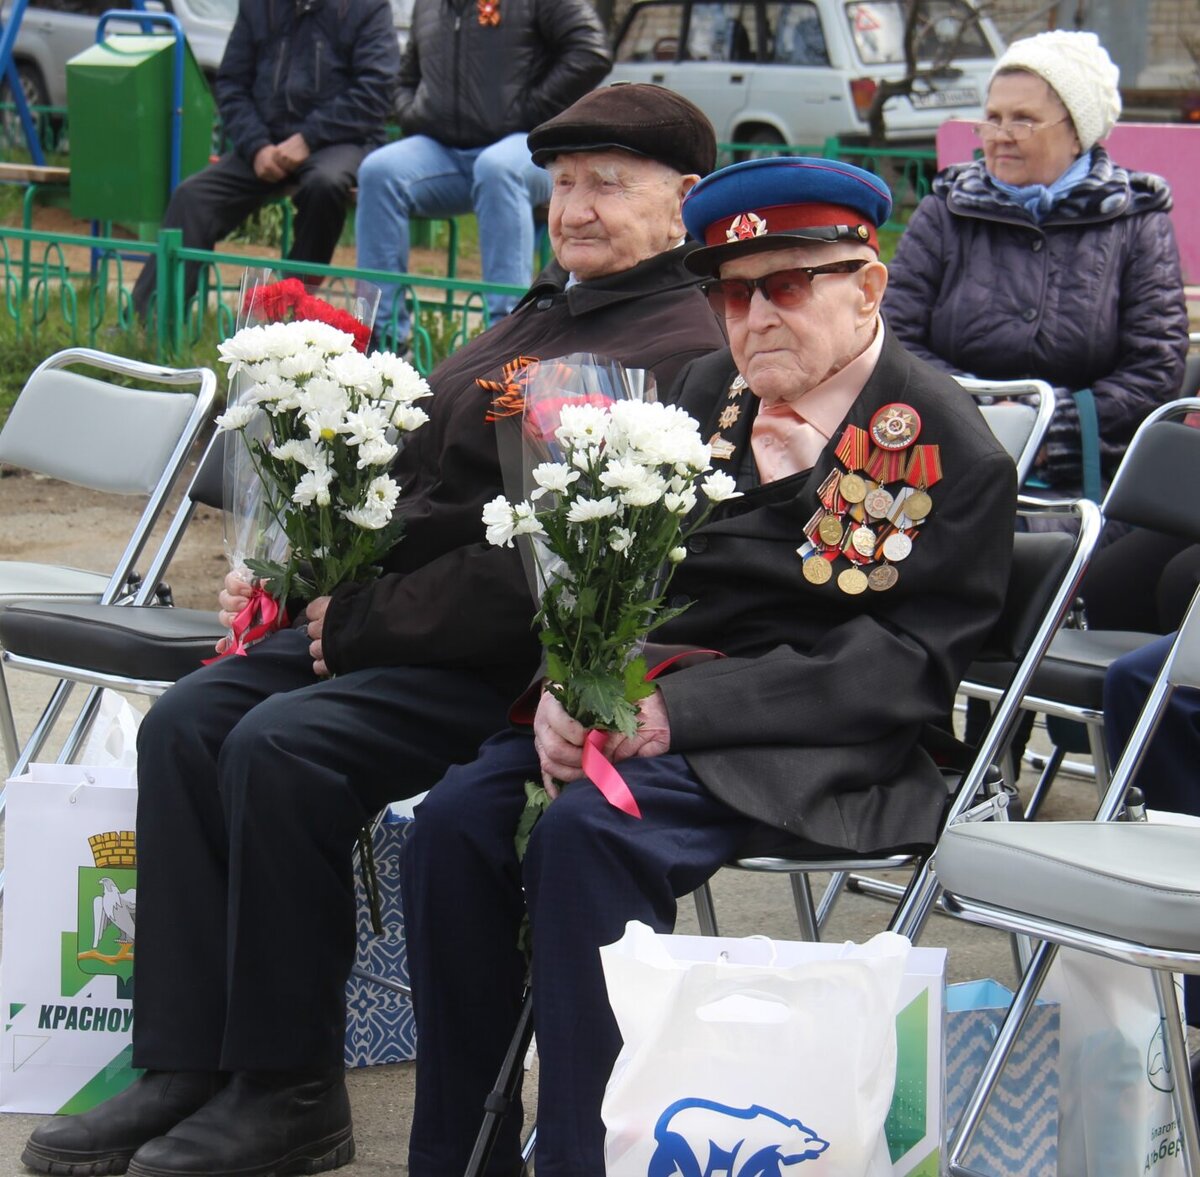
[503, 168]
[172, 718]
[382, 173]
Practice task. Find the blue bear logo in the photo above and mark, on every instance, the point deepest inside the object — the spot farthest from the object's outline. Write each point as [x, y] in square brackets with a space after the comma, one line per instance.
[741, 1142]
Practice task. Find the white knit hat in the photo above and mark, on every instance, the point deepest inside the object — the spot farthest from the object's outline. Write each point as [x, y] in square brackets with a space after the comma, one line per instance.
[1079, 70]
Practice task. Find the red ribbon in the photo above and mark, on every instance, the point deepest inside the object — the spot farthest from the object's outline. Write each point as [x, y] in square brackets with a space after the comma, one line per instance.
[247, 630]
[600, 771]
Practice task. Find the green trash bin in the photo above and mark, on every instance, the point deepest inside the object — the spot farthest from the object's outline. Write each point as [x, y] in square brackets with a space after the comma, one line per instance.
[119, 112]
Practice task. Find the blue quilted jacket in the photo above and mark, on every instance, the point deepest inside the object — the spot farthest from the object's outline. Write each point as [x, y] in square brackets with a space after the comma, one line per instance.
[1092, 297]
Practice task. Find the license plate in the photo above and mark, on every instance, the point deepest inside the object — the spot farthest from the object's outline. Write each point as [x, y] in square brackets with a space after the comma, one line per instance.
[937, 98]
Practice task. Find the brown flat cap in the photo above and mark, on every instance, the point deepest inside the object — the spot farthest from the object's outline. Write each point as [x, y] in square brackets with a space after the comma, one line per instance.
[631, 116]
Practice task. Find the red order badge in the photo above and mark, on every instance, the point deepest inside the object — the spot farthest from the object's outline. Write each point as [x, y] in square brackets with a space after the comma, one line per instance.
[895, 427]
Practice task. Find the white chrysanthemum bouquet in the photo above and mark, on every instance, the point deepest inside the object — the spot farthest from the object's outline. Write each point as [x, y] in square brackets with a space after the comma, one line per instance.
[607, 523]
[321, 424]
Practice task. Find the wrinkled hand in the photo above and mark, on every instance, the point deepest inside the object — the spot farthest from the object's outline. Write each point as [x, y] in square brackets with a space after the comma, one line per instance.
[232, 598]
[267, 165]
[315, 615]
[291, 153]
[558, 739]
[653, 735]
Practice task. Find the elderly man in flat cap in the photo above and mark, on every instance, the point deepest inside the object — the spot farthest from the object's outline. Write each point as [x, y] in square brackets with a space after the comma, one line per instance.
[846, 591]
[255, 773]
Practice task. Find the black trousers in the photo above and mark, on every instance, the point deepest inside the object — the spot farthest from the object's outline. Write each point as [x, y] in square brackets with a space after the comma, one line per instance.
[254, 778]
[589, 869]
[211, 204]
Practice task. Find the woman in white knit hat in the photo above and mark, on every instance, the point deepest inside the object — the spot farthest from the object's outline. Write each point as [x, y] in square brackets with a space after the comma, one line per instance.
[1044, 259]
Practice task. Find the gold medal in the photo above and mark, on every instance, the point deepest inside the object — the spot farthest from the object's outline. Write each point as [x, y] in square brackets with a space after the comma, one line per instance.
[882, 577]
[830, 530]
[817, 570]
[863, 539]
[897, 546]
[917, 505]
[729, 416]
[852, 581]
[852, 488]
[720, 449]
[878, 503]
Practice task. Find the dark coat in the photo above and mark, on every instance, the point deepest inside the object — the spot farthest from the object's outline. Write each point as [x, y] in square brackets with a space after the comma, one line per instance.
[448, 599]
[1092, 297]
[813, 720]
[468, 84]
[327, 69]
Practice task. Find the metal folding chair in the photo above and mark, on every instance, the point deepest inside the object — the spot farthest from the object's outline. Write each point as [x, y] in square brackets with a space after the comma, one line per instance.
[120, 438]
[1046, 571]
[1126, 891]
[139, 647]
[1018, 412]
[1157, 487]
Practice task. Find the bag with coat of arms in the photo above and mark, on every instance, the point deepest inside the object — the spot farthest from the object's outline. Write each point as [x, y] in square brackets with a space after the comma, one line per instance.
[70, 909]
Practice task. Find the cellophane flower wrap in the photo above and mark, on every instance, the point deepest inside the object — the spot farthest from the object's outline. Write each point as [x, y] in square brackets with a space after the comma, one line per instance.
[618, 483]
[309, 491]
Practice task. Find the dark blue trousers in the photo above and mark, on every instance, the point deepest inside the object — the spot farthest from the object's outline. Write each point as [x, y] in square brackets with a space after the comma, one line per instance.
[254, 778]
[1168, 773]
[590, 869]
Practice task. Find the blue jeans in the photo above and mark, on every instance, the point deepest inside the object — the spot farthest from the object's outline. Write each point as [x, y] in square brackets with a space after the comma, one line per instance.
[420, 177]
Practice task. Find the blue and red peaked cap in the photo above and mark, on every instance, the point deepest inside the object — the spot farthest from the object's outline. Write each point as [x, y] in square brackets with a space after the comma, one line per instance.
[765, 204]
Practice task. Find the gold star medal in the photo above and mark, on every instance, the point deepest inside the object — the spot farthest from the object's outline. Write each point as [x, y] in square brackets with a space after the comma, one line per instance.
[729, 416]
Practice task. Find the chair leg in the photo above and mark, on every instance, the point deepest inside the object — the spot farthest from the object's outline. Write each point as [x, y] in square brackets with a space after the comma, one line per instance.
[1099, 760]
[81, 727]
[1045, 780]
[8, 727]
[830, 896]
[972, 1115]
[42, 729]
[706, 912]
[1181, 1090]
[806, 914]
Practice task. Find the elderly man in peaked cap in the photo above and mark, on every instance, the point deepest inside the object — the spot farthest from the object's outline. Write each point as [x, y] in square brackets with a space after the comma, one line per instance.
[255, 773]
[846, 591]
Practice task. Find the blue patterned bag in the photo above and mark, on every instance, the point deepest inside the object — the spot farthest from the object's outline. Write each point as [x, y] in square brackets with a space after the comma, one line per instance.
[1019, 1133]
[379, 1020]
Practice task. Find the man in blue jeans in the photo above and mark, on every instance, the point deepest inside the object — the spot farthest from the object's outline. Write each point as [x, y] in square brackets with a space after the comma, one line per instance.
[476, 77]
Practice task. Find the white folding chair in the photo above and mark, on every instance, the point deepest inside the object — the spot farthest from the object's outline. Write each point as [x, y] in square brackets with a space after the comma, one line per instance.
[1122, 890]
[128, 438]
[1018, 412]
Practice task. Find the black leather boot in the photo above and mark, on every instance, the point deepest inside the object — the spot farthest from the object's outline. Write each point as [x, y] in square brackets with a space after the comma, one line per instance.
[264, 1123]
[102, 1140]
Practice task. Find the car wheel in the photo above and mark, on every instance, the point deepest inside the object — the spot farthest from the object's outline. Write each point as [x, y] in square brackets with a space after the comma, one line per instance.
[764, 140]
[34, 90]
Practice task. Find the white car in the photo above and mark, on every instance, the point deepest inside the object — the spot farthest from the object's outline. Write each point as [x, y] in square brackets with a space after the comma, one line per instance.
[800, 71]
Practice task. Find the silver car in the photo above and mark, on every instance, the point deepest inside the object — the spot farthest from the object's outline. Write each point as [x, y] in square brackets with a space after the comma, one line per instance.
[800, 71]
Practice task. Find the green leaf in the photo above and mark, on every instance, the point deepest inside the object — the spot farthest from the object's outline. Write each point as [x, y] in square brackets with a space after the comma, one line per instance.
[537, 801]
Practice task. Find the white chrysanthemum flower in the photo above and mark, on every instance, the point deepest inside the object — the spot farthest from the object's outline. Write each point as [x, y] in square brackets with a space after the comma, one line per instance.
[366, 424]
[378, 451]
[586, 510]
[525, 520]
[719, 486]
[353, 370]
[304, 452]
[581, 425]
[236, 417]
[620, 538]
[681, 502]
[313, 487]
[586, 457]
[406, 418]
[300, 365]
[637, 485]
[498, 522]
[324, 424]
[327, 339]
[375, 512]
[554, 477]
[402, 382]
[677, 555]
[320, 394]
[248, 346]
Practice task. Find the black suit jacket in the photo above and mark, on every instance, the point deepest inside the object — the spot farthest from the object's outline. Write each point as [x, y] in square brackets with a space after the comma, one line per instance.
[812, 722]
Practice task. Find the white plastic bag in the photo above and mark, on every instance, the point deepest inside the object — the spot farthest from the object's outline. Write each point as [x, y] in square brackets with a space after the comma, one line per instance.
[112, 740]
[748, 1055]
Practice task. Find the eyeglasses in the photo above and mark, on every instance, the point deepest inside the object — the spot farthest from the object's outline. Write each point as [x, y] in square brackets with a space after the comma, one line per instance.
[785, 289]
[1017, 131]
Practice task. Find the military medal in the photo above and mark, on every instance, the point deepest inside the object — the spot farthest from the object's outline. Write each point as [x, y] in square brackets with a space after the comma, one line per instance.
[863, 539]
[881, 578]
[878, 503]
[917, 505]
[729, 416]
[489, 12]
[852, 451]
[830, 530]
[852, 581]
[852, 488]
[895, 427]
[817, 570]
[737, 386]
[896, 547]
[924, 469]
[720, 449]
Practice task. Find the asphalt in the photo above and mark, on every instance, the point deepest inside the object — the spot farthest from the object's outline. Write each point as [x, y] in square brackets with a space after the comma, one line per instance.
[746, 904]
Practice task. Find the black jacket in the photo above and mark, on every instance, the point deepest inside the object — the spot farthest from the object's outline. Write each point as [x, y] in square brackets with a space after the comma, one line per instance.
[813, 721]
[467, 84]
[327, 69]
[447, 598]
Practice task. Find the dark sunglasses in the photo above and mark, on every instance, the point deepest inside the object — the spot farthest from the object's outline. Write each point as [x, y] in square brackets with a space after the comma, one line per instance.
[786, 289]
